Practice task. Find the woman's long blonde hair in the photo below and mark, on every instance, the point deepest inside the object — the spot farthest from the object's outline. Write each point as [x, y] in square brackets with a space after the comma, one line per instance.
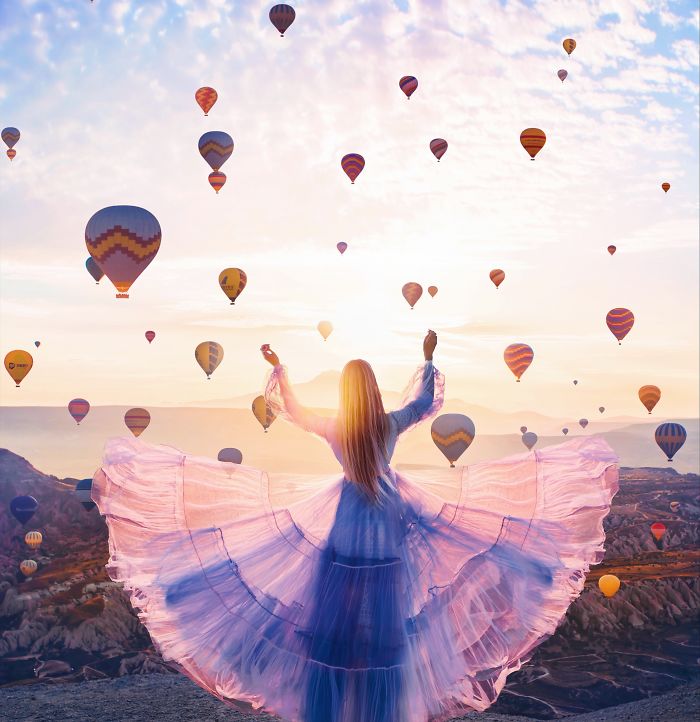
[363, 427]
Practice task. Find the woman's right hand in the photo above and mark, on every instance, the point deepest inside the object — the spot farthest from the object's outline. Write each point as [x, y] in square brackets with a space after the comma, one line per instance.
[269, 355]
[429, 344]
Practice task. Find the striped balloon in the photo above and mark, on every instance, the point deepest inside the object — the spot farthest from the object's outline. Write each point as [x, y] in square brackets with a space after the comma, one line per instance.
[233, 456]
[216, 148]
[83, 490]
[620, 322]
[150, 335]
[408, 84]
[562, 75]
[123, 240]
[670, 437]
[93, 269]
[137, 420]
[206, 97]
[649, 395]
[78, 409]
[412, 292]
[569, 45]
[282, 16]
[583, 423]
[518, 357]
[438, 147]
[263, 413]
[533, 140]
[11, 153]
[452, 434]
[209, 355]
[10, 136]
[232, 282]
[352, 164]
[497, 276]
[666, 187]
[28, 567]
[611, 250]
[432, 290]
[33, 539]
[529, 439]
[217, 179]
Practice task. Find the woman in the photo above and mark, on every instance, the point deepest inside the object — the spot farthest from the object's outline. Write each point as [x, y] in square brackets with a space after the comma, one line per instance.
[366, 598]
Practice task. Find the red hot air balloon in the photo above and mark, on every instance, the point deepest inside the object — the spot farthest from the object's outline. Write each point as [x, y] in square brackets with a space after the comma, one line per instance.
[518, 357]
[217, 180]
[533, 140]
[150, 335]
[123, 240]
[620, 322]
[137, 420]
[206, 97]
[282, 16]
[438, 147]
[412, 292]
[78, 409]
[611, 250]
[11, 153]
[352, 164]
[658, 530]
[562, 75]
[666, 187]
[497, 276]
[408, 84]
[432, 290]
[342, 247]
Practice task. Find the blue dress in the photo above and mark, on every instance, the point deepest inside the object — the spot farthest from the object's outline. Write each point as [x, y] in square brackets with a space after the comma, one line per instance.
[300, 596]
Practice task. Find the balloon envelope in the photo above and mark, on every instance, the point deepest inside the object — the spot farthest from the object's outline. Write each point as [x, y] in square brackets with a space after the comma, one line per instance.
[666, 187]
[282, 16]
[575, 382]
[150, 335]
[123, 240]
[649, 395]
[352, 164]
[497, 276]
[452, 434]
[432, 290]
[83, 490]
[325, 328]
[569, 45]
[28, 567]
[611, 250]
[231, 455]
[78, 409]
[438, 147]
[412, 292]
[137, 420]
[583, 423]
[562, 75]
[18, 364]
[217, 180]
[93, 269]
[609, 584]
[10, 136]
[601, 409]
[232, 282]
[529, 439]
[37, 343]
[670, 437]
[216, 148]
[342, 247]
[33, 539]
[523, 429]
[518, 357]
[23, 508]
[206, 97]
[408, 84]
[675, 506]
[209, 355]
[533, 140]
[565, 431]
[658, 530]
[263, 413]
[620, 322]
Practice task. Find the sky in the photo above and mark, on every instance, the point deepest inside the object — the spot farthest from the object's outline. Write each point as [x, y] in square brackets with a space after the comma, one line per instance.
[103, 94]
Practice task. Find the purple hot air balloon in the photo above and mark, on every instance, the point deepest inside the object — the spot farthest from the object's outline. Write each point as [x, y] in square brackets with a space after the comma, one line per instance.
[438, 147]
[529, 439]
[78, 409]
[216, 148]
[565, 431]
[342, 247]
[282, 16]
[583, 423]
[93, 269]
[562, 75]
[523, 429]
[620, 322]
[352, 164]
[408, 84]
[23, 508]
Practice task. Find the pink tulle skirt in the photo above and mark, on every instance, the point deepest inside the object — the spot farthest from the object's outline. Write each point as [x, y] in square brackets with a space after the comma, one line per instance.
[296, 595]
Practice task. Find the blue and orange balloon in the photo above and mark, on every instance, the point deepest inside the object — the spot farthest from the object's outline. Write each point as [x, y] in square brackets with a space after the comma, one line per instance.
[670, 437]
[93, 269]
[452, 434]
[352, 164]
[408, 84]
[10, 136]
[216, 148]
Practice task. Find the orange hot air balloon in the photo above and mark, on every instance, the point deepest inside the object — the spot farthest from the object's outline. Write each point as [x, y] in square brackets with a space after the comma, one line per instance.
[412, 292]
[609, 585]
[217, 179]
[33, 539]
[497, 276]
[658, 530]
[611, 250]
[78, 409]
[206, 97]
[28, 567]
[232, 282]
[569, 45]
[209, 354]
[432, 290]
[263, 413]
[18, 364]
[666, 187]
[137, 420]
[533, 140]
[325, 328]
[518, 357]
[649, 396]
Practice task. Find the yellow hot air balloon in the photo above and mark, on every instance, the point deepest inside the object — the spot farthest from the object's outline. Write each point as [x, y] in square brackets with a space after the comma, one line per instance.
[33, 539]
[232, 282]
[569, 45]
[28, 567]
[209, 355]
[609, 584]
[18, 364]
[649, 395]
[263, 413]
[325, 328]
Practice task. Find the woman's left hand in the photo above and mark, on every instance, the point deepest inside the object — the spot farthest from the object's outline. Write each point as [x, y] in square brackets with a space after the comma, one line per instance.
[269, 355]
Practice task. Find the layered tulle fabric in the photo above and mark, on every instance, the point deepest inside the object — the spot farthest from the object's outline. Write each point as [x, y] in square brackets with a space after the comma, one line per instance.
[297, 595]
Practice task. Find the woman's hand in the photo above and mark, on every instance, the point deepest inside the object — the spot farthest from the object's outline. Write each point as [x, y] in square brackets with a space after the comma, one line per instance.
[269, 355]
[429, 344]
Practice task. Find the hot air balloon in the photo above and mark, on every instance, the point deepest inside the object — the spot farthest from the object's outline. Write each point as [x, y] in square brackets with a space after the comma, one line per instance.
[23, 508]
[10, 136]
[452, 434]
[352, 164]
[666, 187]
[620, 322]
[670, 437]
[93, 269]
[232, 282]
[609, 584]
[575, 382]
[529, 439]
[675, 506]
[533, 140]
[569, 45]
[150, 335]
[137, 420]
[83, 490]
[649, 396]
[18, 364]
[33, 539]
[601, 409]
[325, 328]
[562, 75]
[412, 292]
[523, 429]
[263, 413]
[611, 250]
[11, 153]
[342, 247]
[233, 456]
[209, 355]
[217, 180]
[658, 530]
[28, 567]
[206, 97]
[408, 84]
[438, 147]
[37, 343]
[583, 423]
[78, 409]
[432, 290]
[565, 431]
[518, 357]
[497, 276]
[282, 16]
[123, 240]
[216, 148]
